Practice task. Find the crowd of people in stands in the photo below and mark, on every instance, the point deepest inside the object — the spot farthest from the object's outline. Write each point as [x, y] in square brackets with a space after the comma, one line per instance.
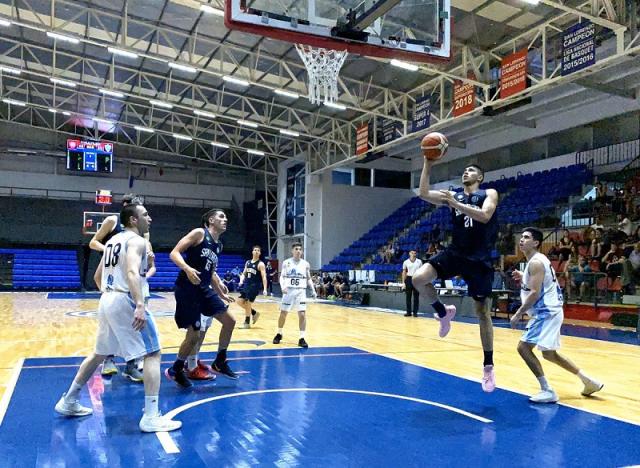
[330, 288]
[610, 246]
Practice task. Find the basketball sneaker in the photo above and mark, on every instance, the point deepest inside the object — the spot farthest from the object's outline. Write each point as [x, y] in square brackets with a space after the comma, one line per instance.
[224, 370]
[71, 408]
[255, 317]
[544, 396]
[445, 322]
[132, 373]
[178, 377]
[591, 387]
[200, 373]
[302, 343]
[206, 367]
[158, 423]
[488, 379]
[247, 323]
[109, 367]
[277, 338]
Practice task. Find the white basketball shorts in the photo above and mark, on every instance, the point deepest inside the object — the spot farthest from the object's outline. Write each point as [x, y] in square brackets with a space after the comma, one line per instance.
[294, 299]
[115, 329]
[544, 331]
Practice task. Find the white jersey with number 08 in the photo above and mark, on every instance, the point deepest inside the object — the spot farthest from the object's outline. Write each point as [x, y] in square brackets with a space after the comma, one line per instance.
[114, 264]
[294, 274]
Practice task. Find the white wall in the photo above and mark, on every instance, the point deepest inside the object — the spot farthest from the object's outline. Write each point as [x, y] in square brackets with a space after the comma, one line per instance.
[347, 213]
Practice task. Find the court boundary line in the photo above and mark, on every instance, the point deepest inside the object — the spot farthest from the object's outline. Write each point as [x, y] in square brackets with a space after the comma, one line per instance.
[169, 445]
[360, 351]
[9, 389]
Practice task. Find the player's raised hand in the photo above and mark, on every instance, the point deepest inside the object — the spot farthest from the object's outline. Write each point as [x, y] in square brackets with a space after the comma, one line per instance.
[193, 275]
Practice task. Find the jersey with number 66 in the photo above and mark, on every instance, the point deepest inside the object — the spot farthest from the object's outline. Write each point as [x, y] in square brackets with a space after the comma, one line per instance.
[294, 274]
[114, 263]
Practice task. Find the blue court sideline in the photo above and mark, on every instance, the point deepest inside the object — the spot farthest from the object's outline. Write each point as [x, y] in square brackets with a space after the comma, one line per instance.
[85, 295]
[315, 407]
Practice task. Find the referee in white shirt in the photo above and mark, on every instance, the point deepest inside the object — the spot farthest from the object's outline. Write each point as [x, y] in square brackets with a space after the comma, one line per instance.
[409, 267]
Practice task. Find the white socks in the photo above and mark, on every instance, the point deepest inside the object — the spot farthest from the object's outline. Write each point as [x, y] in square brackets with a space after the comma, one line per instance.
[544, 385]
[301, 333]
[280, 330]
[73, 392]
[584, 378]
[151, 405]
[192, 362]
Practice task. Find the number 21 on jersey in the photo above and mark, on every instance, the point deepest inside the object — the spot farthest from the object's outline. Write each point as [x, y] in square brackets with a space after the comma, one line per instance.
[468, 221]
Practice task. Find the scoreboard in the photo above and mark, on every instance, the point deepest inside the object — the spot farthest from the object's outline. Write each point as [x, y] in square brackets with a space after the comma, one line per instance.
[89, 156]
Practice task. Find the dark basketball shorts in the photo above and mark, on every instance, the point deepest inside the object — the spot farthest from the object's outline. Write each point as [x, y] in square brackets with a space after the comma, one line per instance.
[477, 274]
[250, 293]
[193, 302]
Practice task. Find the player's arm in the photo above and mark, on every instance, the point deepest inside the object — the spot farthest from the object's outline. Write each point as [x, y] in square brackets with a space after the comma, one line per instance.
[263, 272]
[108, 225]
[404, 275]
[536, 276]
[191, 239]
[435, 197]
[482, 215]
[151, 261]
[135, 251]
[97, 276]
[310, 282]
[283, 285]
[244, 272]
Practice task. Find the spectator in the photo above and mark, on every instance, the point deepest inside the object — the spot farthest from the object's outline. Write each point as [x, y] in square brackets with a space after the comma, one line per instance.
[270, 275]
[580, 277]
[612, 262]
[624, 225]
[565, 245]
[227, 280]
[597, 245]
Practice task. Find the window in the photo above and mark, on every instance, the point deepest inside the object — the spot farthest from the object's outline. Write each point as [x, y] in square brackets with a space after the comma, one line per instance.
[393, 179]
[341, 177]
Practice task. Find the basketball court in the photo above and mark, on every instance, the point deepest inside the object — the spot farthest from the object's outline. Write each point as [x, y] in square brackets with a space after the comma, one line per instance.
[372, 389]
[308, 122]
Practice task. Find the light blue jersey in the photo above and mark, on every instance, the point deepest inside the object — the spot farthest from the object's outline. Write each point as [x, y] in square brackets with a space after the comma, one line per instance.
[550, 301]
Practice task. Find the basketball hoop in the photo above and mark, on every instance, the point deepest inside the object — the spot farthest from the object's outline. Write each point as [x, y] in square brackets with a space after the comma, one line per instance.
[323, 66]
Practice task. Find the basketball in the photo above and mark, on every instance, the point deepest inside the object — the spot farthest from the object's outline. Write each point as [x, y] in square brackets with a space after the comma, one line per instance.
[434, 146]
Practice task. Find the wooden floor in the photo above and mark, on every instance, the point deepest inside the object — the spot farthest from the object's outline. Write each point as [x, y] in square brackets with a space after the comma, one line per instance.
[34, 326]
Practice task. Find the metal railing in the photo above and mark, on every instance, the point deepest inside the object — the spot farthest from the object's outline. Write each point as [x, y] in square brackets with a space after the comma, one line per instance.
[78, 195]
[612, 154]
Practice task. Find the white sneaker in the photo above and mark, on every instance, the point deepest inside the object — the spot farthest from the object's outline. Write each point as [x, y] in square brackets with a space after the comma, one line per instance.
[591, 387]
[246, 325]
[158, 424]
[545, 396]
[71, 408]
[255, 317]
[109, 367]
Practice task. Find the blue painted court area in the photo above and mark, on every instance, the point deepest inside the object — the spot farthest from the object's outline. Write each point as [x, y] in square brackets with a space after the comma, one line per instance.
[85, 295]
[315, 407]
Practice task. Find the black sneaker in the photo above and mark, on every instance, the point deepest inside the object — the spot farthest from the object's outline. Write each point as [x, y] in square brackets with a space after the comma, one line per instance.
[277, 338]
[302, 343]
[224, 369]
[178, 377]
[408, 314]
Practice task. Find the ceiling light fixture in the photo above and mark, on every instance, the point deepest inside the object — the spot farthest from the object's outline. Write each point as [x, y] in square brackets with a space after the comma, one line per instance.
[211, 10]
[290, 133]
[166, 105]
[70, 84]
[62, 37]
[206, 114]
[334, 105]
[123, 53]
[183, 68]
[246, 123]
[283, 92]
[404, 65]
[231, 79]
[256, 152]
[177, 136]
[108, 92]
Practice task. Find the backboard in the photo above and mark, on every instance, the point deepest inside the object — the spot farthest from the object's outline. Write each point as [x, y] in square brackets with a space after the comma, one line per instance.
[410, 30]
[92, 221]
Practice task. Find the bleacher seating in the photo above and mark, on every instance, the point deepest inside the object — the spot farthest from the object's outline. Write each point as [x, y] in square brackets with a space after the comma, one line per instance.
[522, 200]
[44, 269]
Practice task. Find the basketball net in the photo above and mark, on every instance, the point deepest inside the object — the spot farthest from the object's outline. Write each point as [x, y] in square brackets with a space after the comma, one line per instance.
[323, 66]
